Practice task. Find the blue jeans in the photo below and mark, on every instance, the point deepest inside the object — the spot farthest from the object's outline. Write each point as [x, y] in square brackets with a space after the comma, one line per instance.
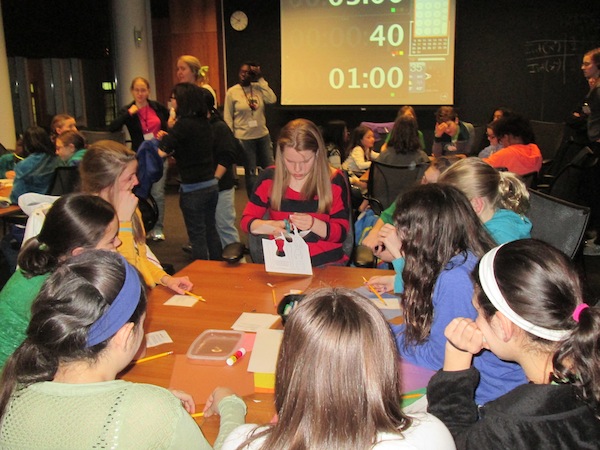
[225, 217]
[198, 208]
[158, 193]
[257, 152]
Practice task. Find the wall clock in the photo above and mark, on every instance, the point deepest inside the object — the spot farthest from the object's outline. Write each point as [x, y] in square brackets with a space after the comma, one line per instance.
[238, 20]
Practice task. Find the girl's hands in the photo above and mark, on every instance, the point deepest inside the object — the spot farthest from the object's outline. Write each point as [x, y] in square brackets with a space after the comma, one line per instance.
[125, 204]
[388, 236]
[465, 339]
[133, 109]
[382, 283]
[302, 221]
[212, 403]
[177, 284]
[186, 400]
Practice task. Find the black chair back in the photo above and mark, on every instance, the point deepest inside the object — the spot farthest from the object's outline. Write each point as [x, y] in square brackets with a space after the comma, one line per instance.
[567, 183]
[386, 182]
[557, 222]
[548, 137]
[66, 180]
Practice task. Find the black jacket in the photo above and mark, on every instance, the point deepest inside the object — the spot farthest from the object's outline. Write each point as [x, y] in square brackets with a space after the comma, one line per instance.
[133, 122]
[532, 416]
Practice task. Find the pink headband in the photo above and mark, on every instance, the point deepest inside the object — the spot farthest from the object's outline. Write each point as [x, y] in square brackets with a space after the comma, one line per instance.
[578, 310]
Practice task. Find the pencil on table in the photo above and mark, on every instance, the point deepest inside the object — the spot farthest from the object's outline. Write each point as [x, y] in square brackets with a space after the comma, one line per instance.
[150, 358]
[374, 291]
[196, 296]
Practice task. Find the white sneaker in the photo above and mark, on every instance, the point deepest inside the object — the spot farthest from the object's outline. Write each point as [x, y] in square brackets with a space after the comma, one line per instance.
[156, 235]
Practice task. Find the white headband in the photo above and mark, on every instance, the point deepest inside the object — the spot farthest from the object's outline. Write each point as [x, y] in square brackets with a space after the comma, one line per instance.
[489, 285]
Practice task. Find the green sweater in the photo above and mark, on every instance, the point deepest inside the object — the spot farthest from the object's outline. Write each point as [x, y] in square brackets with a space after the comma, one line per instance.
[109, 414]
[15, 310]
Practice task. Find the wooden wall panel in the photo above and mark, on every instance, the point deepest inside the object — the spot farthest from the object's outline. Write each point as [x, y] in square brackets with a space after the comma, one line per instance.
[192, 29]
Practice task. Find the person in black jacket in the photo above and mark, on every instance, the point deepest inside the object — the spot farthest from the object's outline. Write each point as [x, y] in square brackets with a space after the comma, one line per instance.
[191, 142]
[226, 151]
[531, 310]
[145, 119]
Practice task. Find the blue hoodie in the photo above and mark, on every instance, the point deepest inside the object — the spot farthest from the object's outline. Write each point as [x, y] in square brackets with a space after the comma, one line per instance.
[506, 226]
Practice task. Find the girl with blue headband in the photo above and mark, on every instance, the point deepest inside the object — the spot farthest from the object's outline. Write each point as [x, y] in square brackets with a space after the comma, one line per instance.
[59, 388]
[530, 310]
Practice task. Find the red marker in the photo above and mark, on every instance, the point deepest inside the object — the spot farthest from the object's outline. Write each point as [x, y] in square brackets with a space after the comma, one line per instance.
[237, 355]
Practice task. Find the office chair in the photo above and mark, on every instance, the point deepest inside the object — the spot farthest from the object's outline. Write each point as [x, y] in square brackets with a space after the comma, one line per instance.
[548, 137]
[559, 223]
[65, 181]
[386, 182]
[94, 136]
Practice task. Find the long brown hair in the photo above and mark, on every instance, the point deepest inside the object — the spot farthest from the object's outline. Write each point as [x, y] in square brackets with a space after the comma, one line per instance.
[337, 383]
[435, 222]
[476, 178]
[303, 135]
[101, 166]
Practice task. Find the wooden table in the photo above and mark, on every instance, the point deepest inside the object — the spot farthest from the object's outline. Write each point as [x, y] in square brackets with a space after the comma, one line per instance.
[229, 291]
[12, 209]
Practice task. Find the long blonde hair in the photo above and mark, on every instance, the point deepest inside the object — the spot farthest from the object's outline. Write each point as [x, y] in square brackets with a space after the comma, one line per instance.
[303, 135]
[476, 178]
[101, 167]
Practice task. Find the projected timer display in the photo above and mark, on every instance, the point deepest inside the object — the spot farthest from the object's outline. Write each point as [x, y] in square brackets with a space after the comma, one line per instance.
[367, 52]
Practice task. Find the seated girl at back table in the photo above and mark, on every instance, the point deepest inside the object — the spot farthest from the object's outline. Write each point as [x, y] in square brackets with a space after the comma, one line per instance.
[530, 310]
[59, 388]
[108, 169]
[304, 191]
[75, 223]
[437, 242]
[360, 154]
[35, 173]
[333, 332]
[500, 199]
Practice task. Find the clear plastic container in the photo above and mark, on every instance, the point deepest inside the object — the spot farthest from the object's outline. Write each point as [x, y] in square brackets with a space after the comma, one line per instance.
[215, 346]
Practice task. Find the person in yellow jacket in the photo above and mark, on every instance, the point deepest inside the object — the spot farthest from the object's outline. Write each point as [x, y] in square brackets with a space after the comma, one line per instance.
[108, 169]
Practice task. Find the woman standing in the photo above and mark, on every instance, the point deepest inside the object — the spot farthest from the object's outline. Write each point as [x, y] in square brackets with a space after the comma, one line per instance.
[190, 141]
[189, 70]
[144, 119]
[245, 114]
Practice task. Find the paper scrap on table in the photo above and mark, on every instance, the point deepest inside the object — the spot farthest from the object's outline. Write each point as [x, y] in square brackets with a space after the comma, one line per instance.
[181, 300]
[263, 358]
[392, 307]
[156, 338]
[253, 322]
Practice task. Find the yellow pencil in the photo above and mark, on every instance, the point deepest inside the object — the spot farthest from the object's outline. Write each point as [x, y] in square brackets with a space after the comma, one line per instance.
[196, 296]
[372, 289]
[150, 358]
[272, 286]
[200, 414]
[412, 395]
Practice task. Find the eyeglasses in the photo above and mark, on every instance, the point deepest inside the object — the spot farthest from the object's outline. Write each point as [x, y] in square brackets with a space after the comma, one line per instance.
[490, 136]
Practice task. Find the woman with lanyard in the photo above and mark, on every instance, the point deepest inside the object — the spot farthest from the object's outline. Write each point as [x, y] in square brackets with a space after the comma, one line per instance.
[244, 113]
[145, 119]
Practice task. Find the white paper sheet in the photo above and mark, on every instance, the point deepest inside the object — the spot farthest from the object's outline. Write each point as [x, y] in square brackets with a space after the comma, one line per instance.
[156, 338]
[181, 300]
[252, 322]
